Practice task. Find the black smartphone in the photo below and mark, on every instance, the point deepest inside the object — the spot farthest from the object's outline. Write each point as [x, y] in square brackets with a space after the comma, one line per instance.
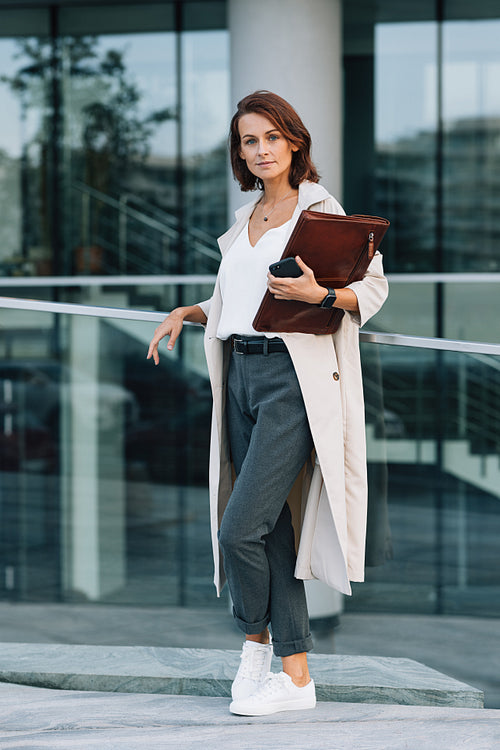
[287, 268]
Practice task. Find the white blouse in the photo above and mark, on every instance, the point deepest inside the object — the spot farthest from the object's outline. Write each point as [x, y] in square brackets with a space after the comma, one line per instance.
[243, 279]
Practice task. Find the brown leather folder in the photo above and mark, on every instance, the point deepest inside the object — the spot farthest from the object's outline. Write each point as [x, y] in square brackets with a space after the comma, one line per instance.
[339, 250]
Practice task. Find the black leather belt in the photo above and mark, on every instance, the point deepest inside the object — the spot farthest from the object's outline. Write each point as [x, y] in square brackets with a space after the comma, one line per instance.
[246, 345]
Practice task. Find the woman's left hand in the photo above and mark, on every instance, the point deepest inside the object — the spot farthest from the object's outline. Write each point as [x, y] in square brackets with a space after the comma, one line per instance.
[304, 288]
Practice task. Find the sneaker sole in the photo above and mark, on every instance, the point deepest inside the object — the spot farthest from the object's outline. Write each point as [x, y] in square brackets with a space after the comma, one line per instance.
[272, 709]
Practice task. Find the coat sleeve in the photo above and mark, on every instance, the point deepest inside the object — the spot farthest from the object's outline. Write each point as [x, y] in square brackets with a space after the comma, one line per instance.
[371, 291]
[205, 306]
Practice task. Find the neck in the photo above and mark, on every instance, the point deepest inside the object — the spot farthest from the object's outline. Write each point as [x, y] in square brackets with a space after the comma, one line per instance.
[273, 191]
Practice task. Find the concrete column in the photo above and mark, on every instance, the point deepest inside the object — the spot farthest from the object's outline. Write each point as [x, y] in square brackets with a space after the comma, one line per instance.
[294, 48]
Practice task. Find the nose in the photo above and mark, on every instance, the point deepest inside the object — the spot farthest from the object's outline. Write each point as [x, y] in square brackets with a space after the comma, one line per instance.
[262, 147]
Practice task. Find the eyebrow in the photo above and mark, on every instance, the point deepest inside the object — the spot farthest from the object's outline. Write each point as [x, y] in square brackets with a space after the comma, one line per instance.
[249, 135]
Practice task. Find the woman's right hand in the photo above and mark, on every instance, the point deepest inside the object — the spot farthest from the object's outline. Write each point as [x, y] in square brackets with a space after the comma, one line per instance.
[172, 327]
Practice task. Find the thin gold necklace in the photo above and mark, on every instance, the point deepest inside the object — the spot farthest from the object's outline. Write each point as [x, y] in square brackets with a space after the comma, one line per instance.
[266, 217]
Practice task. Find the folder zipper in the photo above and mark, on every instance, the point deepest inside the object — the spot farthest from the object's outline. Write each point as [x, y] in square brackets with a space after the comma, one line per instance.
[371, 246]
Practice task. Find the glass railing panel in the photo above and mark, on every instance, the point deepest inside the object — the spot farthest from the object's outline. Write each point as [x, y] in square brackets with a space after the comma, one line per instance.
[433, 440]
[103, 467]
[462, 312]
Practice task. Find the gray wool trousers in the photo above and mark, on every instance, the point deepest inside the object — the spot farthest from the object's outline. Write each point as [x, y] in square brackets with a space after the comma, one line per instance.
[270, 441]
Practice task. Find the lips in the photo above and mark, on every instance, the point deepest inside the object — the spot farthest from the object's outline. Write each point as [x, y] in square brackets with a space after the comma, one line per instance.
[264, 163]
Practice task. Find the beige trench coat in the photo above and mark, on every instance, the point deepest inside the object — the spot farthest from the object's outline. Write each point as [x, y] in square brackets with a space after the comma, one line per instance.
[329, 499]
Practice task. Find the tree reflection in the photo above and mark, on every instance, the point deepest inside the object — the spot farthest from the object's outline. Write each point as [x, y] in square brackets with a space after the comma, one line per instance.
[91, 126]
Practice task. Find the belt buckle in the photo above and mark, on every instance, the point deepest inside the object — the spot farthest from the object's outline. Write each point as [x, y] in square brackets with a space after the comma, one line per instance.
[238, 341]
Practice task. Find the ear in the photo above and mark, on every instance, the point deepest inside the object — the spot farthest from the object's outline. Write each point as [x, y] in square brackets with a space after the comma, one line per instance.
[295, 148]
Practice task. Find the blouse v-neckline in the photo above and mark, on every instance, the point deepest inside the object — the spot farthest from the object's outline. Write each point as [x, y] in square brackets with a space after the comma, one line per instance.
[280, 226]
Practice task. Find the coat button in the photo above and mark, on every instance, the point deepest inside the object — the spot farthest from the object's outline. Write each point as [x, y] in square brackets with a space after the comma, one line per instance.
[336, 376]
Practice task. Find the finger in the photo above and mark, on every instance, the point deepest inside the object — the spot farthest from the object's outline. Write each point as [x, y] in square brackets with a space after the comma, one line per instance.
[303, 267]
[173, 338]
[155, 340]
[280, 293]
[153, 352]
[277, 288]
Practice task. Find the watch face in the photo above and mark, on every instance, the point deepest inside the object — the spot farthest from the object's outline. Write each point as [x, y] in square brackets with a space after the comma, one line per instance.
[329, 299]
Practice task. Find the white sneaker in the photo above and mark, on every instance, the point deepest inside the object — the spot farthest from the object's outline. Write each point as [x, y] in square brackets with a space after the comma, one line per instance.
[278, 693]
[254, 667]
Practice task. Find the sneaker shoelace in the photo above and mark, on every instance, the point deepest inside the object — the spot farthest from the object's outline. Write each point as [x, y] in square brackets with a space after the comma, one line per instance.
[274, 683]
[252, 662]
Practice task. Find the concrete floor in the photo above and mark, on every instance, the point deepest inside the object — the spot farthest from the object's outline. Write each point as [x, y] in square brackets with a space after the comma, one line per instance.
[41, 719]
[466, 648]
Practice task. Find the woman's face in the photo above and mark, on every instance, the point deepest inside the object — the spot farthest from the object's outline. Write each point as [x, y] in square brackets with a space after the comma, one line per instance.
[266, 151]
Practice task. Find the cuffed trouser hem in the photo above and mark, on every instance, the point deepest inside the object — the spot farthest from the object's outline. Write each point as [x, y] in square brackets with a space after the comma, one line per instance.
[289, 648]
[251, 628]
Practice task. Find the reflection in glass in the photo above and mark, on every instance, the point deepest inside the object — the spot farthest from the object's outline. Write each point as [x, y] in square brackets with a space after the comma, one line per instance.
[471, 114]
[112, 152]
[26, 163]
[440, 440]
[103, 470]
[405, 141]
[120, 122]
[422, 130]
[103, 464]
[205, 58]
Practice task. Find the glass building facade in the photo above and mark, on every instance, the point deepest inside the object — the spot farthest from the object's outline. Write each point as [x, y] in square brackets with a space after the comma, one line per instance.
[114, 186]
[113, 141]
[429, 132]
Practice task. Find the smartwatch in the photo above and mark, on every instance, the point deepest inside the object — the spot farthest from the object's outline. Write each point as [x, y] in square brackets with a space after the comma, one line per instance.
[329, 299]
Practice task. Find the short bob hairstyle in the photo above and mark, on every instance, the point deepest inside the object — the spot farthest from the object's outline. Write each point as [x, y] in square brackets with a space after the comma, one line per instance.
[287, 121]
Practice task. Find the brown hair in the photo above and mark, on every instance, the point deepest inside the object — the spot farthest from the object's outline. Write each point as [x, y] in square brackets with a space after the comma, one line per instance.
[287, 121]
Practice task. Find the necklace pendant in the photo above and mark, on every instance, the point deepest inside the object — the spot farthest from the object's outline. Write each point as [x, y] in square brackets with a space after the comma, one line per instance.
[265, 218]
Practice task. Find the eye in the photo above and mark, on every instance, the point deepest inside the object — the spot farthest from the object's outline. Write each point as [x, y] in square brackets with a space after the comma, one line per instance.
[273, 137]
[249, 142]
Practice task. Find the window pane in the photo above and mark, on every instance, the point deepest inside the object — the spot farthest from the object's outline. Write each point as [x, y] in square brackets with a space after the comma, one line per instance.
[120, 120]
[405, 141]
[206, 118]
[471, 115]
[422, 115]
[113, 156]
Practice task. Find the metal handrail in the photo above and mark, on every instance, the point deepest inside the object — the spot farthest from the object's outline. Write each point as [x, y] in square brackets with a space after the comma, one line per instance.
[163, 223]
[421, 342]
[371, 337]
[444, 278]
[123, 208]
[173, 221]
[102, 280]
[160, 279]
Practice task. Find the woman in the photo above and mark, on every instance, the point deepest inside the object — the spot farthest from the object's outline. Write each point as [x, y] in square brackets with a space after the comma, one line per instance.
[287, 416]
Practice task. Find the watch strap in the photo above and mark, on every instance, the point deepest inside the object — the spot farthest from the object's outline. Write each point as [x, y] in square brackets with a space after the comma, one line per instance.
[329, 300]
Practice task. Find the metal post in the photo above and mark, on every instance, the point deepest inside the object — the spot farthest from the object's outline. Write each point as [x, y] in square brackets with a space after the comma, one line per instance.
[182, 446]
[440, 356]
[122, 234]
